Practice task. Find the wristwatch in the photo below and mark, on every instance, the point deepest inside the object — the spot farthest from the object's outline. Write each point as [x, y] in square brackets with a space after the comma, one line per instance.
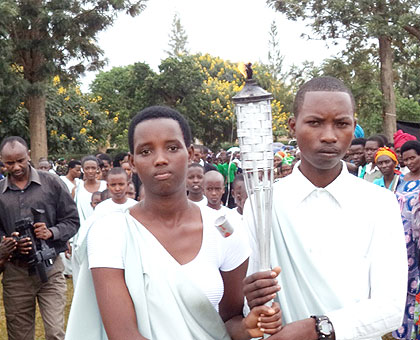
[323, 327]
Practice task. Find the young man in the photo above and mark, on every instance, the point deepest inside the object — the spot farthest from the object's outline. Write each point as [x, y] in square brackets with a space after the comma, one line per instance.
[195, 179]
[73, 174]
[357, 152]
[370, 171]
[214, 189]
[117, 184]
[106, 165]
[25, 188]
[339, 240]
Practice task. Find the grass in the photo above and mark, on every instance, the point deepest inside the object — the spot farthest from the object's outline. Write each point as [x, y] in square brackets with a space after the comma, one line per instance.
[39, 327]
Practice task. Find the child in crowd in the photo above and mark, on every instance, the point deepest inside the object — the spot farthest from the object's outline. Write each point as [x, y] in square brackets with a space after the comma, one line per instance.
[214, 189]
[96, 199]
[239, 193]
[127, 167]
[105, 195]
[131, 191]
[195, 178]
[117, 184]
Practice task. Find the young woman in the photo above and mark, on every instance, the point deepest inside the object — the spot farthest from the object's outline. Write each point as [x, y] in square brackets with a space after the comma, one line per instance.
[90, 184]
[407, 193]
[162, 270]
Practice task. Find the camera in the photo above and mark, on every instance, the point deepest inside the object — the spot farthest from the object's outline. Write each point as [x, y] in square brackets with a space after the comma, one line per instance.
[40, 256]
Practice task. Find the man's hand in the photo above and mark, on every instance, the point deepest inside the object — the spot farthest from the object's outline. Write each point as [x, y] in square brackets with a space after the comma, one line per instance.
[24, 245]
[261, 287]
[68, 251]
[41, 231]
[263, 320]
[7, 246]
[298, 330]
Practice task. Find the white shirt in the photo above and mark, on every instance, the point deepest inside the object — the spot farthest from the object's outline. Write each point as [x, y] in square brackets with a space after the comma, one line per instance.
[69, 184]
[106, 249]
[202, 203]
[109, 206]
[342, 253]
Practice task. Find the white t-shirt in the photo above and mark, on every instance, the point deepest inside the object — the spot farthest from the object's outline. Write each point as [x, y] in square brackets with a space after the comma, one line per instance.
[105, 250]
[202, 203]
[83, 199]
[109, 205]
[69, 184]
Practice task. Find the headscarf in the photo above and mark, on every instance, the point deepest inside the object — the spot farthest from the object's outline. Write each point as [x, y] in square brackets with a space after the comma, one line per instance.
[385, 151]
[288, 160]
[358, 132]
[280, 154]
[400, 137]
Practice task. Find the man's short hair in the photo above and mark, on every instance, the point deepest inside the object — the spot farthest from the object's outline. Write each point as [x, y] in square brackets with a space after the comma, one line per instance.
[198, 147]
[72, 164]
[411, 145]
[96, 193]
[13, 140]
[239, 177]
[358, 141]
[118, 158]
[117, 171]
[104, 157]
[105, 195]
[89, 158]
[196, 165]
[328, 84]
[378, 139]
[156, 112]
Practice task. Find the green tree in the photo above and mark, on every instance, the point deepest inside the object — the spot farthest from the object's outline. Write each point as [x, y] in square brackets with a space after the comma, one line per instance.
[275, 58]
[178, 39]
[123, 91]
[56, 37]
[359, 22]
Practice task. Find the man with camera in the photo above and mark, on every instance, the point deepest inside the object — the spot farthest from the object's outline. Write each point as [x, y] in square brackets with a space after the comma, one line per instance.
[34, 272]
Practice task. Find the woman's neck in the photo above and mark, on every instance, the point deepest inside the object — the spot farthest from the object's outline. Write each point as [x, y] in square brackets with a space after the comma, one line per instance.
[165, 206]
[388, 179]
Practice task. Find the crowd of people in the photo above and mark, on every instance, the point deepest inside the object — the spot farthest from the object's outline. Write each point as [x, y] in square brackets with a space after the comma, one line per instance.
[141, 238]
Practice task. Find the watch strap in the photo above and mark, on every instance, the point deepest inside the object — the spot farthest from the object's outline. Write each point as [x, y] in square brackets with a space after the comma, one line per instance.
[322, 334]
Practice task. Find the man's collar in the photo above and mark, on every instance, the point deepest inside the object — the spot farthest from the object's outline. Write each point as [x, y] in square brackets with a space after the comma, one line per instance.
[33, 177]
[336, 188]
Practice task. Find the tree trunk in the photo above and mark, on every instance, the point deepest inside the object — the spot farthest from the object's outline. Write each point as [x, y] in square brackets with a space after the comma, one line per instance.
[387, 86]
[37, 126]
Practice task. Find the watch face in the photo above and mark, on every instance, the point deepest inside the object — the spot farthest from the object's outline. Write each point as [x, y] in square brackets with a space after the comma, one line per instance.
[325, 327]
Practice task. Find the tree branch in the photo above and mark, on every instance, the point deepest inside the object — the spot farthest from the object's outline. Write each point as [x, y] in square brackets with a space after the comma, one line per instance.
[413, 31]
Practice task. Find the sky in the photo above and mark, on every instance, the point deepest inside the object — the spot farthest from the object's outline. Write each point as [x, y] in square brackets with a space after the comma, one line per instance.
[235, 30]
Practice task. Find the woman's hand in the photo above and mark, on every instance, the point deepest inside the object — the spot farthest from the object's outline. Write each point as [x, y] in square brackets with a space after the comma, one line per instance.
[263, 320]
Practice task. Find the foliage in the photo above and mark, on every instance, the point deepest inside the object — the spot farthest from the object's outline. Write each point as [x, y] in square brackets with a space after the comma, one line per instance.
[391, 23]
[178, 39]
[46, 38]
[75, 122]
[201, 87]
[123, 91]
[275, 59]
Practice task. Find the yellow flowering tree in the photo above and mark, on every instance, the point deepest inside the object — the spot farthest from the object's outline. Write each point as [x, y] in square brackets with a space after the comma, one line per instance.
[75, 122]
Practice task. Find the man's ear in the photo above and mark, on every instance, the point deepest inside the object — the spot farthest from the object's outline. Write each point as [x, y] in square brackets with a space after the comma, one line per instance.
[292, 125]
[29, 155]
[190, 150]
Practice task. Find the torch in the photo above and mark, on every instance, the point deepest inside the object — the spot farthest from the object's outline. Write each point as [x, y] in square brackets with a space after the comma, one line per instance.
[253, 112]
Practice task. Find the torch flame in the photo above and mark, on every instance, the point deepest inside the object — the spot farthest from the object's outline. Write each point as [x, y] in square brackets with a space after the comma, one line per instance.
[242, 69]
